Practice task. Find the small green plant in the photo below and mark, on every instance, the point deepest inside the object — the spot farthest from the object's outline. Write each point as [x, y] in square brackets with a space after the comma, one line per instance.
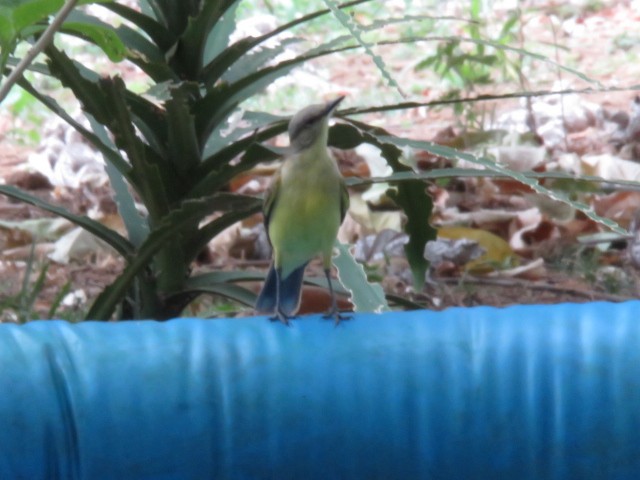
[20, 307]
[586, 264]
[475, 58]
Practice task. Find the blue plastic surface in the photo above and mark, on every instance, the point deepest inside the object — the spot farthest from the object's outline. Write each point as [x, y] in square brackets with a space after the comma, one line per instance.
[526, 392]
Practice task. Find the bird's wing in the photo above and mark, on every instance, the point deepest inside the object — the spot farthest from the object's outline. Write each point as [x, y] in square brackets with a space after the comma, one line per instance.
[344, 200]
[270, 199]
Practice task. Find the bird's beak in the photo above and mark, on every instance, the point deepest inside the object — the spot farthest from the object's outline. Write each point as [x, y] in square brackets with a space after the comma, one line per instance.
[331, 106]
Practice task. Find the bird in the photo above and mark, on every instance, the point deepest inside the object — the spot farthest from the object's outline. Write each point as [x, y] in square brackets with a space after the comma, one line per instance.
[303, 209]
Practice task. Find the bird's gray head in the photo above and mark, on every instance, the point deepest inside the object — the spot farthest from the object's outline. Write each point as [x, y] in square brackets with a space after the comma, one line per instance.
[309, 125]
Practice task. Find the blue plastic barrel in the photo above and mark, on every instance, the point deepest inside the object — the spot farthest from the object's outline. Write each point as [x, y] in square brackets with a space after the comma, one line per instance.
[525, 392]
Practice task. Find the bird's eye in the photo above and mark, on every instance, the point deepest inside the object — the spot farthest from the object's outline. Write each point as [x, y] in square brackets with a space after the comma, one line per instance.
[311, 120]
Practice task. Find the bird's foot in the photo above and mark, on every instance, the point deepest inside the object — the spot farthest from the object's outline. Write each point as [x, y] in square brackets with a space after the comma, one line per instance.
[281, 317]
[335, 314]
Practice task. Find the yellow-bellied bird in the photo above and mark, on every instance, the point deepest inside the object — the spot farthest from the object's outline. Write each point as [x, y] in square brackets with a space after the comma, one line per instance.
[303, 209]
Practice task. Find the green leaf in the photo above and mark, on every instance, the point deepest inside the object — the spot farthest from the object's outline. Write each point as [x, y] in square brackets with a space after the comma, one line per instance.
[115, 240]
[151, 175]
[155, 178]
[353, 28]
[454, 100]
[488, 60]
[216, 171]
[38, 285]
[476, 8]
[151, 182]
[146, 55]
[57, 300]
[119, 120]
[137, 48]
[345, 136]
[575, 180]
[217, 283]
[8, 32]
[109, 154]
[102, 35]
[224, 99]
[26, 13]
[191, 49]
[381, 24]
[85, 90]
[506, 33]
[407, 304]
[417, 206]
[365, 296]
[254, 60]
[150, 120]
[411, 195]
[501, 47]
[17, 15]
[172, 225]
[251, 122]
[218, 178]
[199, 240]
[173, 15]
[183, 146]
[218, 39]
[450, 153]
[136, 225]
[214, 70]
[160, 35]
[237, 147]
[426, 63]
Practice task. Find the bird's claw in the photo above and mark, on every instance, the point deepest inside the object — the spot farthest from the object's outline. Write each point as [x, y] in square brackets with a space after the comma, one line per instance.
[281, 317]
[337, 316]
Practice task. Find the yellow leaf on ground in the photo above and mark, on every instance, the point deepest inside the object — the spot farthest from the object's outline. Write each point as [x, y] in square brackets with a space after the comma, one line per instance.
[498, 254]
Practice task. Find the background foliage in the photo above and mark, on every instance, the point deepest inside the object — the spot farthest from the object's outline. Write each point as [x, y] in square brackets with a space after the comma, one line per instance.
[168, 141]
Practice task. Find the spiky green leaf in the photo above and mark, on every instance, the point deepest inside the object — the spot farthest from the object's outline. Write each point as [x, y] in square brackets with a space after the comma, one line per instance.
[100, 34]
[183, 147]
[173, 224]
[353, 28]
[411, 195]
[216, 68]
[114, 239]
[365, 296]
[450, 153]
[158, 33]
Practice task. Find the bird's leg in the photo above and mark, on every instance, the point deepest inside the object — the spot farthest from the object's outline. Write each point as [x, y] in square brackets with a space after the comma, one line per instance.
[279, 316]
[333, 312]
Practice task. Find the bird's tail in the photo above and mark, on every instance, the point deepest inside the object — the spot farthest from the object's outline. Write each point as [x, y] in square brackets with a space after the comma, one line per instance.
[289, 287]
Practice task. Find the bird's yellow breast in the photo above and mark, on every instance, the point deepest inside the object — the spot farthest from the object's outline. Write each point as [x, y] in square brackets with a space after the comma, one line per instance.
[306, 214]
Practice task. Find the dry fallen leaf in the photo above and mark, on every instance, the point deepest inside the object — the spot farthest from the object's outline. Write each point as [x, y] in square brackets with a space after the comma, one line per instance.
[497, 254]
[619, 206]
[610, 167]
